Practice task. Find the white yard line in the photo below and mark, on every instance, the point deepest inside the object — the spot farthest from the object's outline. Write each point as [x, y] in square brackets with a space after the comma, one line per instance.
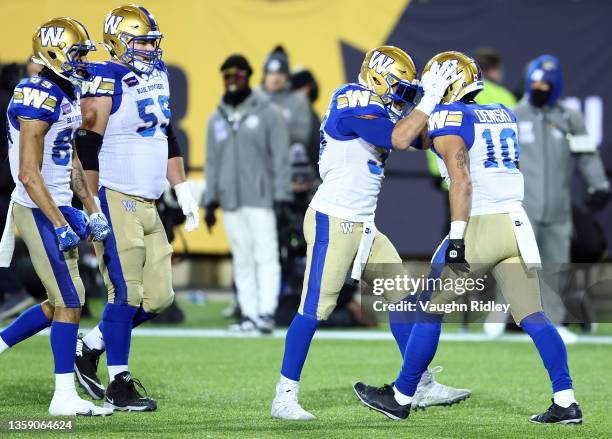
[339, 335]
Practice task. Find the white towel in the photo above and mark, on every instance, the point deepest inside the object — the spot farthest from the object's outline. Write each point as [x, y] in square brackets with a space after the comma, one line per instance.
[525, 238]
[365, 245]
[7, 243]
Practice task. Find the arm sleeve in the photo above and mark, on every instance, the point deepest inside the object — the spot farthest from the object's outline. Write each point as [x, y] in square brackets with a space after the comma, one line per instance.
[174, 149]
[278, 140]
[211, 166]
[374, 130]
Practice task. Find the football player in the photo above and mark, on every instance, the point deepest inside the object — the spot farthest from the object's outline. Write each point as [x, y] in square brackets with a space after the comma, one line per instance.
[43, 115]
[363, 124]
[129, 152]
[478, 156]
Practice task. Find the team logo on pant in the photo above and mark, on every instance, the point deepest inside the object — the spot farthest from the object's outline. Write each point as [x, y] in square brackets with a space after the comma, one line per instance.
[129, 205]
[347, 228]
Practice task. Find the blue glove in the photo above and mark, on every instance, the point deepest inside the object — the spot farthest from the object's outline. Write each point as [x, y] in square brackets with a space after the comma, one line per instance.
[98, 226]
[77, 219]
[67, 238]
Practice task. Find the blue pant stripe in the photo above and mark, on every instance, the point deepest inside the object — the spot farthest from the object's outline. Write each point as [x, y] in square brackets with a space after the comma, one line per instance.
[70, 296]
[111, 257]
[317, 263]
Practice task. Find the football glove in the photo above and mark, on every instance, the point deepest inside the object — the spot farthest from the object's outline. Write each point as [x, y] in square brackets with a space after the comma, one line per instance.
[189, 206]
[434, 82]
[98, 227]
[455, 256]
[67, 238]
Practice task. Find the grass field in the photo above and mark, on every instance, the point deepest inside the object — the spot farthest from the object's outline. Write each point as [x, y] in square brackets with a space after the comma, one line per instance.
[223, 388]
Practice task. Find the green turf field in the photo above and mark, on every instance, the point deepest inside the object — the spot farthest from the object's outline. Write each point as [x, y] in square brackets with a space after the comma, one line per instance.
[223, 388]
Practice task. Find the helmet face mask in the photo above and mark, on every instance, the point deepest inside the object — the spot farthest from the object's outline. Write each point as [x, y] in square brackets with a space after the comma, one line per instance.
[128, 30]
[61, 44]
[390, 73]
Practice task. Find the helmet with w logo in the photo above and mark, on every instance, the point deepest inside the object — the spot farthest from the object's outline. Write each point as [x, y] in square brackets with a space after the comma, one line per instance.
[390, 73]
[470, 82]
[58, 43]
[127, 26]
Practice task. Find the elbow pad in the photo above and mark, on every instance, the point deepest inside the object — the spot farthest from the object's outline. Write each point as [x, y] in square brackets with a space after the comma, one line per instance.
[174, 149]
[88, 144]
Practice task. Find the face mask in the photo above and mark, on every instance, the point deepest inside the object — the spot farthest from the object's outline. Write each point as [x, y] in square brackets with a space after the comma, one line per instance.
[235, 98]
[539, 98]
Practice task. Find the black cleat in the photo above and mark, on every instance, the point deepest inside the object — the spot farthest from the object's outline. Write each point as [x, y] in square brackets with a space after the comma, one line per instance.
[559, 415]
[86, 368]
[122, 395]
[382, 400]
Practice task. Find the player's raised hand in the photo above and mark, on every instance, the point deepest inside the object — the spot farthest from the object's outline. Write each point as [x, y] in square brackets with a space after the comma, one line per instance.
[98, 226]
[455, 256]
[188, 204]
[67, 238]
[434, 83]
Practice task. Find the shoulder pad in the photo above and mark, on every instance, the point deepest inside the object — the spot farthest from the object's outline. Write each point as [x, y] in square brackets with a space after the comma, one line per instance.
[106, 76]
[355, 99]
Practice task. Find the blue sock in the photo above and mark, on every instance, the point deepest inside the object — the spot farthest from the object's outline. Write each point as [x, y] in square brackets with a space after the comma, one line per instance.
[551, 348]
[30, 322]
[142, 316]
[117, 331]
[420, 350]
[297, 342]
[402, 322]
[63, 345]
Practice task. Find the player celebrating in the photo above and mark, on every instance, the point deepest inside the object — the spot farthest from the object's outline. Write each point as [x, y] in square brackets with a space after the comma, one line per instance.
[43, 115]
[479, 156]
[126, 117]
[358, 133]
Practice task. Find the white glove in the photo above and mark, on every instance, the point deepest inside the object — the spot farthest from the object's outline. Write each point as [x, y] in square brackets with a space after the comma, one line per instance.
[435, 81]
[189, 206]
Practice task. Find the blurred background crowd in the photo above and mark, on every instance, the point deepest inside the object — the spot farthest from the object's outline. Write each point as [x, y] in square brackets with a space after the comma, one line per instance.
[260, 153]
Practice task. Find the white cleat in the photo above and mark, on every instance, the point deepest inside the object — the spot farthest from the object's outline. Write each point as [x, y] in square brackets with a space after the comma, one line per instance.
[70, 404]
[285, 404]
[431, 393]
[567, 336]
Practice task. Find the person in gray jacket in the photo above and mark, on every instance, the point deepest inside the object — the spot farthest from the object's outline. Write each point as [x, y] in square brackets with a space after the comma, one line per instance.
[277, 87]
[552, 138]
[248, 171]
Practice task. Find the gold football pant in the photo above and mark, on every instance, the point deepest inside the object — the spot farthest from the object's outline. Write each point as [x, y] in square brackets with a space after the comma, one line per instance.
[135, 259]
[58, 271]
[490, 245]
[332, 245]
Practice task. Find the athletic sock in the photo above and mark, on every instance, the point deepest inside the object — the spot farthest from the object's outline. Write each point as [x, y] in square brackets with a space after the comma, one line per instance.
[63, 345]
[115, 370]
[551, 348]
[400, 397]
[420, 350]
[297, 343]
[116, 331]
[142, 316]
[30, 322]
[3, 345]
[564, 398]
[64, 383]
[401, 322]
[94, 339]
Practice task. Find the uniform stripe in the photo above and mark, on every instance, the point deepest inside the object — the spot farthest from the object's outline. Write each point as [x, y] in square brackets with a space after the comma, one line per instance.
[111, 257]
[149, 17]
[317, 264]
[70, 296]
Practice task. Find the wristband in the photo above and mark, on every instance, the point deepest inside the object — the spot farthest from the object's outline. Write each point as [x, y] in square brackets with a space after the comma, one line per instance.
[427, 104]
[457, 228]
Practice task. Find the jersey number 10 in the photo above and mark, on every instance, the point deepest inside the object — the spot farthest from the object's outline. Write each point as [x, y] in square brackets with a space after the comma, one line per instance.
[498, 150]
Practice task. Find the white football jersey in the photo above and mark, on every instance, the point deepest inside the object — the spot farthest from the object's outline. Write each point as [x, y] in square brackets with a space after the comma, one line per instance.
[490, 134]
[134, 154]
[40, 99]
[352, 169]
